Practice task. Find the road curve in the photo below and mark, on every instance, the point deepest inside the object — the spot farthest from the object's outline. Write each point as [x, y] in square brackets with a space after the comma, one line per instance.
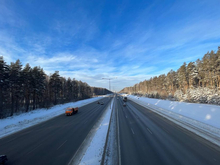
[52, 142]
[148, 138]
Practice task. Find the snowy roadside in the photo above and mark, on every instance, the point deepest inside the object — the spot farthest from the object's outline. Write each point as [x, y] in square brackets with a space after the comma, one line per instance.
[94, 152]
[111, 153]
[16, 123]
[201, 119]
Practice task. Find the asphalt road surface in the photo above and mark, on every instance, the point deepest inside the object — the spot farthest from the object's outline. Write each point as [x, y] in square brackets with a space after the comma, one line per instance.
[147, 138]
[53, 142]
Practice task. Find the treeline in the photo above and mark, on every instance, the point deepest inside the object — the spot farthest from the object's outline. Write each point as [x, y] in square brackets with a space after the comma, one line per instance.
[201, 73]
[25, 88]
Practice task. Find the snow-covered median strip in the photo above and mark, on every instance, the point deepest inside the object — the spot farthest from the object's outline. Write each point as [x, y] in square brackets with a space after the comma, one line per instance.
[94, 152]
[190, 116]
[16, 123]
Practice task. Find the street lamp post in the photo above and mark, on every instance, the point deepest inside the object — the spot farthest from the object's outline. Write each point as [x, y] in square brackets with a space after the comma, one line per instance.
[109, 85]
[109, 82]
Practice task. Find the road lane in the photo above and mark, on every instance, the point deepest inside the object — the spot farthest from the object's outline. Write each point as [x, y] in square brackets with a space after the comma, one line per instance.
[147, 138]
[54, 141]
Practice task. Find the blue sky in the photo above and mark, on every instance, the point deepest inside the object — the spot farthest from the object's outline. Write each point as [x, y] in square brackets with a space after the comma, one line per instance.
[87, 40]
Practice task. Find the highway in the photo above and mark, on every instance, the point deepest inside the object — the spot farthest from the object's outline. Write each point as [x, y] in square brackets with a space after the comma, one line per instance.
[147, 138]
[52, 142]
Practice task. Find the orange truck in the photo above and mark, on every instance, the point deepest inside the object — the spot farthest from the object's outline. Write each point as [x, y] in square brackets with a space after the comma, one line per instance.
[71, 111]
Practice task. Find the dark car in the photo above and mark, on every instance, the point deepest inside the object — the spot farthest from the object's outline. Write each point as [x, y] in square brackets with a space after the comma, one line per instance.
[102, 103]
[125, 99]
[98, 102]
[3, 159]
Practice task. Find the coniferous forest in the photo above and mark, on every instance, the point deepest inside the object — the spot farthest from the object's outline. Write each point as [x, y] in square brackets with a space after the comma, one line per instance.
[197, 82]
[23, 89]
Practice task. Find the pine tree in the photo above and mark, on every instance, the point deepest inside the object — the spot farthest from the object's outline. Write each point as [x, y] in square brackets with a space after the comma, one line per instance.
[69, 89]
[55, 87]
[76, 89]
[26, 81]
[15, 85]
[181, 77]
[192, 75]
[218, 68]
[4, 84]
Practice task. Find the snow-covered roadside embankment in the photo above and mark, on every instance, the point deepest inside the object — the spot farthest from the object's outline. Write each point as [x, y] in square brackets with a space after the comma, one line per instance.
[201, 119]
[16, 123]
[94, 152]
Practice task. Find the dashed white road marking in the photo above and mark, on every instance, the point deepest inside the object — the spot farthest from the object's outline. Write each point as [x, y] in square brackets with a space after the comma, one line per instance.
[132, 130]
[61, 145]
[149, 131]
[33, 149]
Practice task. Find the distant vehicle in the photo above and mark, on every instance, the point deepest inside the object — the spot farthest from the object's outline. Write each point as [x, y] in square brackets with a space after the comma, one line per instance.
[98, 102]
[125, 99]
[3, 159]
[124, 105]
[102, 103]
[71, 111]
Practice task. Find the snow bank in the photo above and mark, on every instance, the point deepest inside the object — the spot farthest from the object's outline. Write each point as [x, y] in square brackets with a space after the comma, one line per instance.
[199, 95]
[94, 152]
[209, 114]
[16, 123]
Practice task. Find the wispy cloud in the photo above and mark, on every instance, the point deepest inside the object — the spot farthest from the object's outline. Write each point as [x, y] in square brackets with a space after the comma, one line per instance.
[8, 16]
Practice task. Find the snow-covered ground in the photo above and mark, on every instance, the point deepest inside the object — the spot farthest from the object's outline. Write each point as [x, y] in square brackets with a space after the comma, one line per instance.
[202, 119]
[94, 152]
[16, 123]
